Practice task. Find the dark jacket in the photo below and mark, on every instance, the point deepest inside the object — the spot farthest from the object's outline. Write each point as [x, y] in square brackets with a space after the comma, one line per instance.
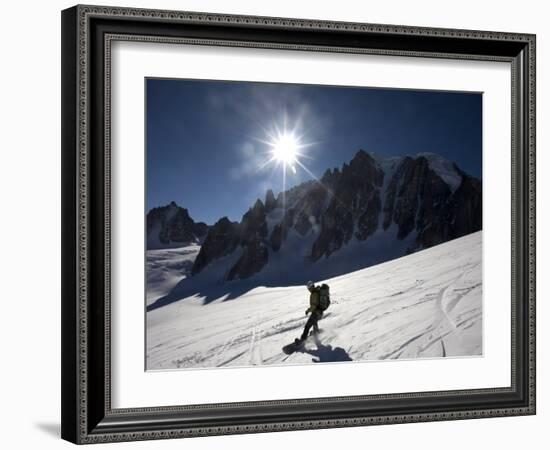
[314, 299]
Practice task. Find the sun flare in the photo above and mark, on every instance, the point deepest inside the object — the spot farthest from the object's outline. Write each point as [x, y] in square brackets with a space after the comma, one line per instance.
[285, 149]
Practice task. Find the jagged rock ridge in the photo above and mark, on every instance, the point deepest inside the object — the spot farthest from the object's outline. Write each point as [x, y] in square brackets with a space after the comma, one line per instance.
[422, 200]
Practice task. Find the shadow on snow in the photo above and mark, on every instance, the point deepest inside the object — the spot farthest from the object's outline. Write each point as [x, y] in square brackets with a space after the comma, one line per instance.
[326, 353]
[212, 284]
[209, 292]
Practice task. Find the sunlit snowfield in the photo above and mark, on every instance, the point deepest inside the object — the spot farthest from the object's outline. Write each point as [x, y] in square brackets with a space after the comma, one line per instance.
[424, 305]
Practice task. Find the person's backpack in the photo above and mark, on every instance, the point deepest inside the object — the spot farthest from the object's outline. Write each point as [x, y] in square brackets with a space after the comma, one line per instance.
[324, 297]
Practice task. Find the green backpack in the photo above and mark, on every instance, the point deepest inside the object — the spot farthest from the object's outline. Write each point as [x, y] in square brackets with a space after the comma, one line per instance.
[324, 297]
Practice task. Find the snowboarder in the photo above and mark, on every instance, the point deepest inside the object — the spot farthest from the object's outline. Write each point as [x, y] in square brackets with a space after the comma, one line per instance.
[319, 301]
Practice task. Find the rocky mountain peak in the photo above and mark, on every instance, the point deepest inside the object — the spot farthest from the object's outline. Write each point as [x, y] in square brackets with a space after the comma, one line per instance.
[253, 235]
[171, 226]
[222, 239]
[253, 222]
[421, 201]
[354, 206]
[270, 201]
[330, 178]
[258, 207]
[361, 158]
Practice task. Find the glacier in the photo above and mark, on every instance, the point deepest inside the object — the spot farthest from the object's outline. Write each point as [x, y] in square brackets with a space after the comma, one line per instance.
[424, 305]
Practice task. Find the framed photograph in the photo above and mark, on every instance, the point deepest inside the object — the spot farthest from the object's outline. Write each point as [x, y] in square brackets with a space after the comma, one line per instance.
[267, 222]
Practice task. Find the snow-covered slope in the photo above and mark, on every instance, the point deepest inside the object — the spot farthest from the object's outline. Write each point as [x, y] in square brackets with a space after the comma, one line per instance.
[167, 267]
[427, 304]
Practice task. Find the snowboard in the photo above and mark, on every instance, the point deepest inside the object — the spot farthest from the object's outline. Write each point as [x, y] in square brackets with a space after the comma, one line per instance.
[295, 346]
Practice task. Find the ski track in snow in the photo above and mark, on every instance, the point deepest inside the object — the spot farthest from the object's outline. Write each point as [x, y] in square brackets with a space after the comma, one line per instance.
[424, 305]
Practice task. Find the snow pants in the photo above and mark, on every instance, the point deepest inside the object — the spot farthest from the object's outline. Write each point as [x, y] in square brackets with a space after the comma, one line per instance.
[312, 322]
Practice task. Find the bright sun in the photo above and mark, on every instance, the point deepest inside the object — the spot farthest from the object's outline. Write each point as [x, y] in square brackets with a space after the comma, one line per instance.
[285, 149]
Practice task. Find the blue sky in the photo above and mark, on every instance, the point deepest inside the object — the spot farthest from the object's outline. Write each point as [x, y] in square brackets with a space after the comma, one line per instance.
[206, 140]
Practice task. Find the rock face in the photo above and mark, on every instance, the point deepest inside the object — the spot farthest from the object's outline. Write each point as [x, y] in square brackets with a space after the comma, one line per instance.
[222, 240]
[422, 201]
[171, 226]
[419, 200]
[225, 236]
[460, 214]
[279, 233]
[253, 240]
[270, 201]
[354, 205]
[415, 196]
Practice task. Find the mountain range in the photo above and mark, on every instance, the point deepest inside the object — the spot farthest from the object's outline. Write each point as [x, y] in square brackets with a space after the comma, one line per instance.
[368, 211]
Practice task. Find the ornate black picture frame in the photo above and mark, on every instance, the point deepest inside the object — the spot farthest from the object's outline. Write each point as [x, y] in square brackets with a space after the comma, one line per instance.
[87, 34]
